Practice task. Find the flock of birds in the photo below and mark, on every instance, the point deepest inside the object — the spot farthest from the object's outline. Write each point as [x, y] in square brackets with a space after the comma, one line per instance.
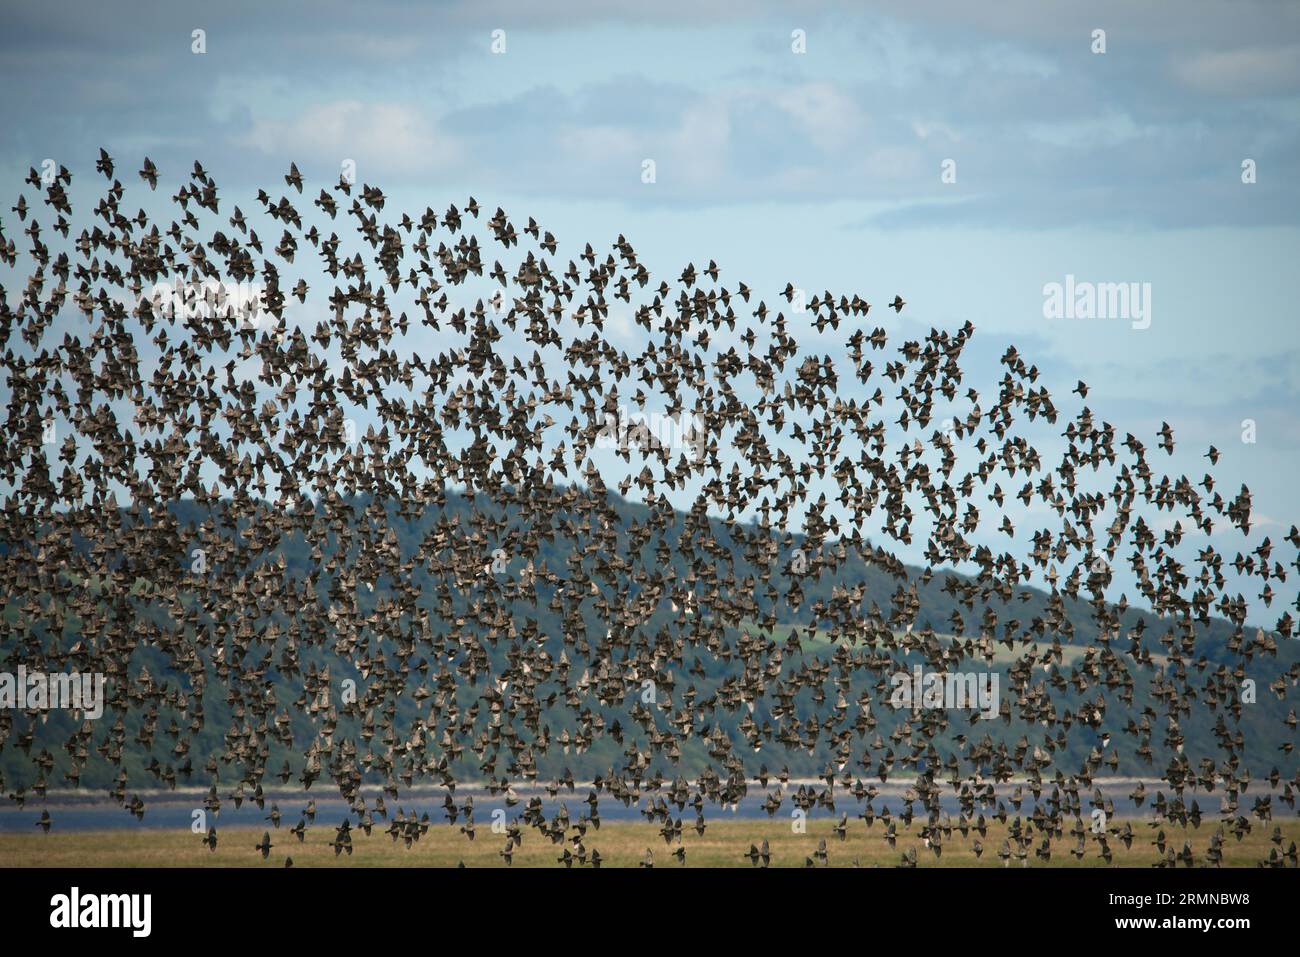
[118, 406]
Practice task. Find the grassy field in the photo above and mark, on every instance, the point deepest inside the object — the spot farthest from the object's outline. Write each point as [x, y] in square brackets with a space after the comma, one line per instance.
[621, 844]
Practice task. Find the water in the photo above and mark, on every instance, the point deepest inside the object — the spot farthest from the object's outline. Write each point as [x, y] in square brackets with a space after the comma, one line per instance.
[78, 811]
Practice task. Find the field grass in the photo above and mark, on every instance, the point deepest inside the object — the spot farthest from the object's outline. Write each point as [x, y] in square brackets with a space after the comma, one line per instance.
[621, 844]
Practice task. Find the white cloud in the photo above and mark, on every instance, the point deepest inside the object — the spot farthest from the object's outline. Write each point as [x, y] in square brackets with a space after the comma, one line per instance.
[926, 129]
[829, 117]
[1110, 129]
[699, 144]
[598, 145]
[1250, 70]
[390, 137]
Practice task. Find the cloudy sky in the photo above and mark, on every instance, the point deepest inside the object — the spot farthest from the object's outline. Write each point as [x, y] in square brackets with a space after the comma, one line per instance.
[825, 167]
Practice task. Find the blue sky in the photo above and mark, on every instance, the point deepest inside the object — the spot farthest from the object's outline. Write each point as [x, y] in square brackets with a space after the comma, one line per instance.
[821, 168]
